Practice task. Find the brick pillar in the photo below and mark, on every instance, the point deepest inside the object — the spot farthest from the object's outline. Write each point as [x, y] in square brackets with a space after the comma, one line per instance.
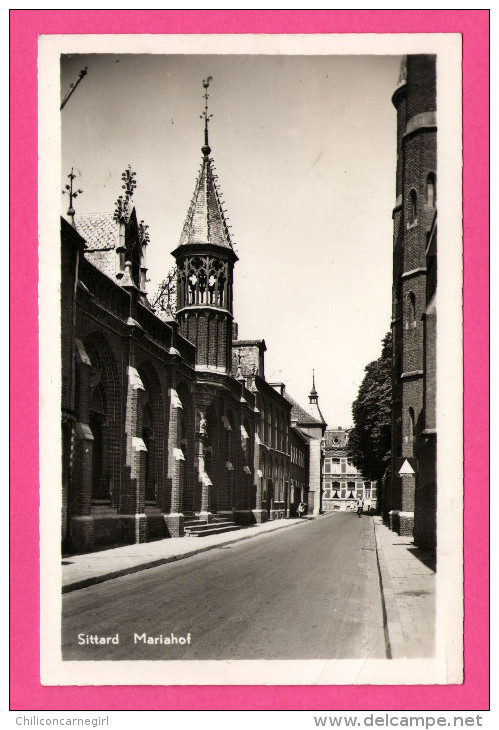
[80, 498]
[287, 496]
[176, 465]
[132, 505]
[203, 477]
[260, 514]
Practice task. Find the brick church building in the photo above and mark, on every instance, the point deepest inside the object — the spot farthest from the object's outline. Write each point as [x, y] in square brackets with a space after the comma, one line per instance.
[168, 424]
[410, 487]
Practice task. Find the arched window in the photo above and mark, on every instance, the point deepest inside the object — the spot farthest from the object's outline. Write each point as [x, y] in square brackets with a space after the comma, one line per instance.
[148, 439]
[411, 309]
[431, 190]
[413, 207]
[410, 427]
[100, 477]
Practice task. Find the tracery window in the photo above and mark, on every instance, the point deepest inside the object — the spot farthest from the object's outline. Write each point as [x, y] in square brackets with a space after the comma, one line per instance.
[204, 280]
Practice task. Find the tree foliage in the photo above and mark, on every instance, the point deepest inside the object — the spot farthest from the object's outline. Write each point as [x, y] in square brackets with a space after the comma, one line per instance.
[369, 440]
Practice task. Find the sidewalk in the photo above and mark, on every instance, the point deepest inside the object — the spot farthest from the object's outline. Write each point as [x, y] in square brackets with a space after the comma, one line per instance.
[408, 583]
[80, 571]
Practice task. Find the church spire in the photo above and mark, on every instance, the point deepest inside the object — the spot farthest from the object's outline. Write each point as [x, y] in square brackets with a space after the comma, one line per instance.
[314, 401]
[313, 397]
[206, 221]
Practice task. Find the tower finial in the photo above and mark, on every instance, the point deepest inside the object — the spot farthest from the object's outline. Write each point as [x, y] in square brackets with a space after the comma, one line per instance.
[206, 149]
[68, 190]
[313, 393]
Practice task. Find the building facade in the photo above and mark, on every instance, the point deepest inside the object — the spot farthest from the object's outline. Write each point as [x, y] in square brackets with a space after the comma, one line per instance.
[409, 488]
[167, 423]
[343, 483]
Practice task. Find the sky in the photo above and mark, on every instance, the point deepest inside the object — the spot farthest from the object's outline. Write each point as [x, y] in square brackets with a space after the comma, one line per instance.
[305, 152]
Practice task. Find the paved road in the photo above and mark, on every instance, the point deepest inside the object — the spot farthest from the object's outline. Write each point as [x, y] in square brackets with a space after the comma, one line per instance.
[307, 592]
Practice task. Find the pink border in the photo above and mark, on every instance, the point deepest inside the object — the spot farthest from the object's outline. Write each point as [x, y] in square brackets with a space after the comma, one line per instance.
[26, 26]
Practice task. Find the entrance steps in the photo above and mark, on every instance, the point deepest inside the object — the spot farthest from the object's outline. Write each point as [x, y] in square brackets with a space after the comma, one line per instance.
[201, 528]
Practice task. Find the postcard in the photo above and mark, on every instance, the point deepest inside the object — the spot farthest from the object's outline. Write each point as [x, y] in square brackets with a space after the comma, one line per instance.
[202, 517]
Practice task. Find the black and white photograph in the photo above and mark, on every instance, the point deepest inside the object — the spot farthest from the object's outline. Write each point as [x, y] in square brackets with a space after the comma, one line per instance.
[252, 472]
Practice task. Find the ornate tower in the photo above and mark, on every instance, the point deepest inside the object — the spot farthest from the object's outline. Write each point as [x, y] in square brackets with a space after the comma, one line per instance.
[205, 262]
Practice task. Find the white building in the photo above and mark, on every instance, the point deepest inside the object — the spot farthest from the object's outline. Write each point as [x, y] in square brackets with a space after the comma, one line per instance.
[342, 483]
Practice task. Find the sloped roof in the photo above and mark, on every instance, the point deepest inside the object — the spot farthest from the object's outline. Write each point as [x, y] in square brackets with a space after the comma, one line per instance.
[305, 436]
[299, 414]
[99, 230]
[205, 221]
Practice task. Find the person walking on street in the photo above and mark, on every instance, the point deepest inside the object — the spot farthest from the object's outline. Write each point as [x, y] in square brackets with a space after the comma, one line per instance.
[301, 509]
[360, 507]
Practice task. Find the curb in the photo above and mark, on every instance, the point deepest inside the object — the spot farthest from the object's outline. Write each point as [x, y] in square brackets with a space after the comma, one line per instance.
[94, 580]
[388, 647]
[395, 643]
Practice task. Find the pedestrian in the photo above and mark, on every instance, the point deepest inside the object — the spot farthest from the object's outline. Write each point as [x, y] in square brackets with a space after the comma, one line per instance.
[301, 509]
[360, 506]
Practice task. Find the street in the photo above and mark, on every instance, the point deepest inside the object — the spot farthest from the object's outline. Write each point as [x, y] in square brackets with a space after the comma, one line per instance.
[310, 591]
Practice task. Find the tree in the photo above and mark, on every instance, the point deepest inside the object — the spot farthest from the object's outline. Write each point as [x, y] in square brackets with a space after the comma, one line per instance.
[369, 441]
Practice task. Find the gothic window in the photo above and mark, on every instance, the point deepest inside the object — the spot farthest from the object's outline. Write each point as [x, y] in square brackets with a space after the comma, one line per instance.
[411, 310]
[197, 280]
[217, 278]
[410, 426]
[431, 190]
[100, 477]
[148, 439]
[413, 207]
